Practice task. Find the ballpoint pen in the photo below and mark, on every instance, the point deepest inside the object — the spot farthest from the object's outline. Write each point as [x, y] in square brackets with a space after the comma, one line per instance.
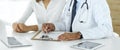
[46, 34]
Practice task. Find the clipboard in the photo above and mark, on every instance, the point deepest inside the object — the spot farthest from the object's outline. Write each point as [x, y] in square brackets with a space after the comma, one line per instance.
[36, 33]
[52, 36]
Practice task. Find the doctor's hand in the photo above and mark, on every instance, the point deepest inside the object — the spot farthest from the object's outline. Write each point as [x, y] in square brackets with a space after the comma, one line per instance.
[48, 27]
[69, 36]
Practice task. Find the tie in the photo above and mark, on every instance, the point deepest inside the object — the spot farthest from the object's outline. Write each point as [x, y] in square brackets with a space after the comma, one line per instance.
[73, 13]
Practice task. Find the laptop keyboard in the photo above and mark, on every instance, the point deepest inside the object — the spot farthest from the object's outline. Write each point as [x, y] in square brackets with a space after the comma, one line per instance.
[13, 41]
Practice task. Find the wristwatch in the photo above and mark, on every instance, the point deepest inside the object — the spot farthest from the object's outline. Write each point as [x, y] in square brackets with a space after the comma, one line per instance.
[80, 35]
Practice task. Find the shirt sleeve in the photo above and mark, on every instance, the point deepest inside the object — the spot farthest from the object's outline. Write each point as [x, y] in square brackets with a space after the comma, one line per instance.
[101, 14]
[26, 14]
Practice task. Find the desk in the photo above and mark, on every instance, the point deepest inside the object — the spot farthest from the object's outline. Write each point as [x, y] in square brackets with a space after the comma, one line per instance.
[109, 44]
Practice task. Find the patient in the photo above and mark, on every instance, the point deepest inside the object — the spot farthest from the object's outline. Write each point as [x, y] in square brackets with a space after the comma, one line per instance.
[47, 11]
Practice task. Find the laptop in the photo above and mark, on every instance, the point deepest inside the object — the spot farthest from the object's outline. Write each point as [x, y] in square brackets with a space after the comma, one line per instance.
[12, 41]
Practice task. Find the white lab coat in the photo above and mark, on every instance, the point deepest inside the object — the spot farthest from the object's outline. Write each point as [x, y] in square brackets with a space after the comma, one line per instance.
[96, 21]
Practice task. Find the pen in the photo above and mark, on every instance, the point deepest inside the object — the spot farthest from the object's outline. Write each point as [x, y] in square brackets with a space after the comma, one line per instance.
[46, 33]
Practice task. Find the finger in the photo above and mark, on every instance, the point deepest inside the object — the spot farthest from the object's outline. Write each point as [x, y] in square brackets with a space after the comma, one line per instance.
[67, 37]
[70, 37]
[18, 28]
[43, 28]
[61, 37]
[50, 28]
[23, 28]
[15, 27]
[47, 28]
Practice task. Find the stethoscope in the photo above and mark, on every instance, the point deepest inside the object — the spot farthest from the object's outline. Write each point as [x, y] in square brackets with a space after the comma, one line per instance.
[85, 3]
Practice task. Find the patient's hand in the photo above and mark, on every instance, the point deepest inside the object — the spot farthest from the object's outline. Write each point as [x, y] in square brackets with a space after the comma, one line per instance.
[48, 27]
[20, 27]
[69, 36]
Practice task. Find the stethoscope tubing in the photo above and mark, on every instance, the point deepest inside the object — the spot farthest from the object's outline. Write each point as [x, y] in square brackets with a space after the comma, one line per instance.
[81, 6]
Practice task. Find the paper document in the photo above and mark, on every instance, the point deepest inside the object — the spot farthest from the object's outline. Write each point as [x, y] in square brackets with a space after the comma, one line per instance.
[49, 36]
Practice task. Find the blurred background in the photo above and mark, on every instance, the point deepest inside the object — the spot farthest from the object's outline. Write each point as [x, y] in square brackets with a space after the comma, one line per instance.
[12, 10]
[115, 13]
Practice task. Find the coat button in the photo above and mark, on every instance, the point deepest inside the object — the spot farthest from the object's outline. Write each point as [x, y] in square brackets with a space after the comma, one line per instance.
[81, 21]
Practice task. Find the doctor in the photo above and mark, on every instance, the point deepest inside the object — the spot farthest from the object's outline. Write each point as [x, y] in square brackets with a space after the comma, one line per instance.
[87, 19]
